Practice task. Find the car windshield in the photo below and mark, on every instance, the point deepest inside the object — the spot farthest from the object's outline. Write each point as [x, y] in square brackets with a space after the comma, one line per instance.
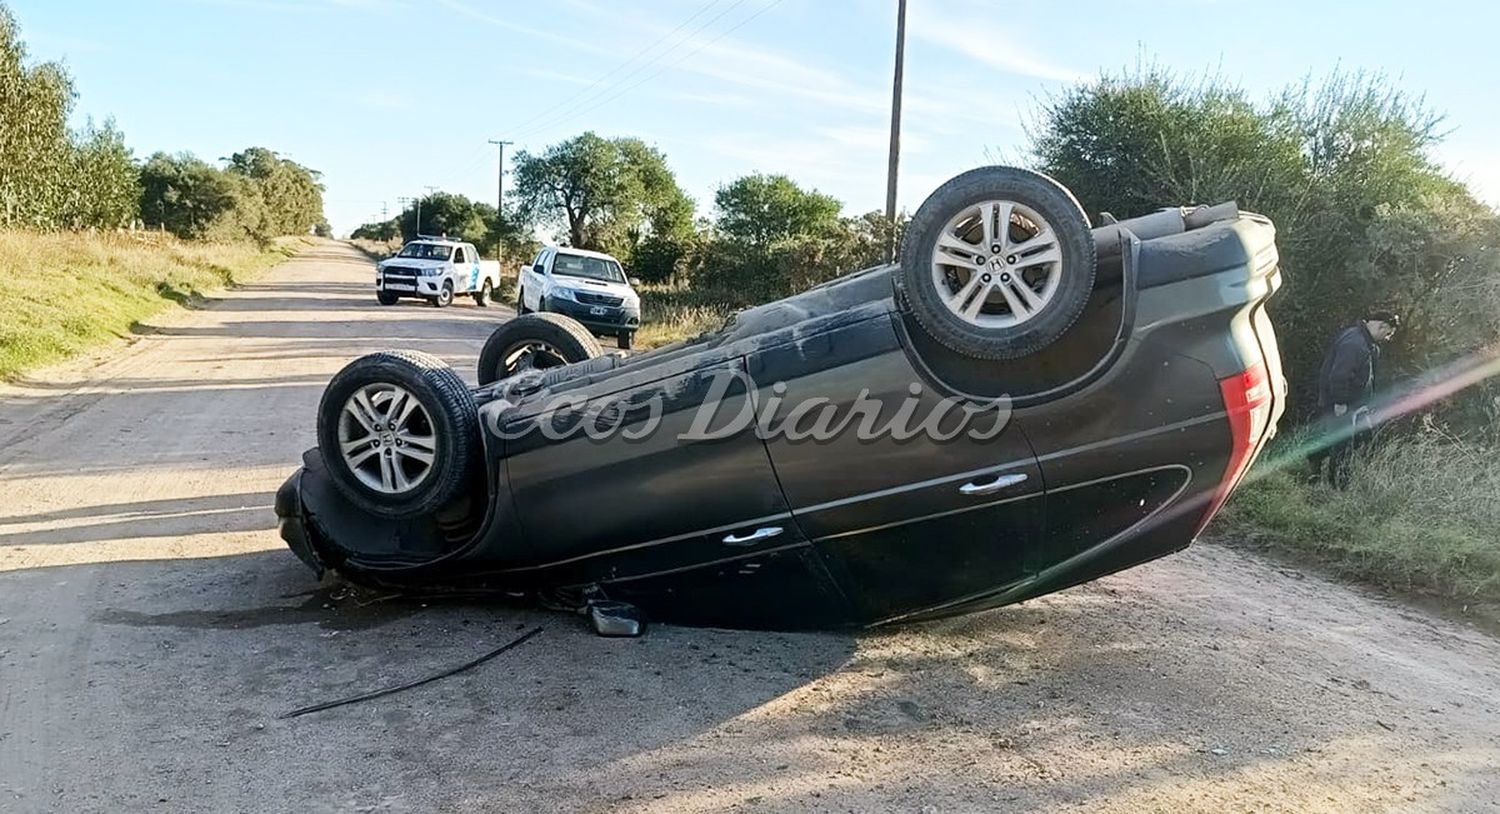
[594, 268]
[425, 251]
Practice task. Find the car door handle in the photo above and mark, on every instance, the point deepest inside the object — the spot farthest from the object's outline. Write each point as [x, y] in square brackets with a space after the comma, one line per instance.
[759, 534]
[991, 487]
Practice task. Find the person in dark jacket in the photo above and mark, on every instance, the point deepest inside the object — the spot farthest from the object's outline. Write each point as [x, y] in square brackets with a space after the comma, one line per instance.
[1345, 385]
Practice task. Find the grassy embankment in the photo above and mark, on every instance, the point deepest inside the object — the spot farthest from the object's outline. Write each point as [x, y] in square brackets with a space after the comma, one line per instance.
[1421, 516]
[62, 293]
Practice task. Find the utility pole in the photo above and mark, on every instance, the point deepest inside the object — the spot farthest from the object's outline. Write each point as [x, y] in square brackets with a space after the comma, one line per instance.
[499, 194]
[895, 157]
[500, 179]
[430, 190]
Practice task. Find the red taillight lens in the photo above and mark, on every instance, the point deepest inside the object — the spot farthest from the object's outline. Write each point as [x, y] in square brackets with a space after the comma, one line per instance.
[1247, 400]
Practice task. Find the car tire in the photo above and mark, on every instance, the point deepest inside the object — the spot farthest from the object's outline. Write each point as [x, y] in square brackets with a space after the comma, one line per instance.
[521, 302]
[974, 292]
[444, 297]
[542, 340]
[427, 460]
[483, 296]
[624, 340]
[386, 298]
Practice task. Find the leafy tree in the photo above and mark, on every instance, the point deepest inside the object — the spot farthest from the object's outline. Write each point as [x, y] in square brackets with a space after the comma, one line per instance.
[604, 193]
[761, 209]
[105, 185]
[445, 213]
[291, 197]
[191, 198]
[35, 146]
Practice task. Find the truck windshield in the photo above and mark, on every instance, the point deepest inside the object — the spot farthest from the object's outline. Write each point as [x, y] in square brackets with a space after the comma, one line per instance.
[593, 268]
[425, 251]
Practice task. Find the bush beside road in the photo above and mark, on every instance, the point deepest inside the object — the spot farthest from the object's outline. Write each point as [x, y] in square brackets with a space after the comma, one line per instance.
[62, 293]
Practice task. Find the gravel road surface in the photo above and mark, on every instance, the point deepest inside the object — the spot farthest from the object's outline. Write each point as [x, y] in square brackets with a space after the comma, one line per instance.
[153, 628]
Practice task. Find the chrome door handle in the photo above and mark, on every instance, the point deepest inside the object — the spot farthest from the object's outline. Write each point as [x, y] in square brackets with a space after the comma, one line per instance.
[759, 534]
[1000, 482]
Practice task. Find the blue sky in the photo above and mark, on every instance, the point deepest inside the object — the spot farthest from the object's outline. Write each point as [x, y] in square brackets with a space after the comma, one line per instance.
[386, 97]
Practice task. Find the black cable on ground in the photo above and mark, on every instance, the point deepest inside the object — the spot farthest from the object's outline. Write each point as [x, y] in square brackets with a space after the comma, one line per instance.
[354, 699]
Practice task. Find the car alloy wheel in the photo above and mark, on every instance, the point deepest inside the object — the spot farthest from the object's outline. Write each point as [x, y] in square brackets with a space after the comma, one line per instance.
[997, 264]
[387, 438]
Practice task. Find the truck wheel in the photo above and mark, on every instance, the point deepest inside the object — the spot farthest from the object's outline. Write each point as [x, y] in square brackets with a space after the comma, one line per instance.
[386, 298]
[535, 341]
[997, 263]
[483, 295]
[521, 302]
[399, 433]
[625, 339]
[444, 297]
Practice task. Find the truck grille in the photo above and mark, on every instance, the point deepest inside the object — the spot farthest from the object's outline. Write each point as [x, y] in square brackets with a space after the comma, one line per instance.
[588, 298]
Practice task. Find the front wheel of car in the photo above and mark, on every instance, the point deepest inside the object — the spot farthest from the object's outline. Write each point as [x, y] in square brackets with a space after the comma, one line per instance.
[625, 340]
[483, 296]
[997, 263]
[535, 341]
[521, 302]
[386, 298]
[399, 433]
[444, 297]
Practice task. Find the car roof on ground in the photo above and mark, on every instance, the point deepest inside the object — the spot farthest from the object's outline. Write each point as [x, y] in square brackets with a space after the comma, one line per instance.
[583, 253]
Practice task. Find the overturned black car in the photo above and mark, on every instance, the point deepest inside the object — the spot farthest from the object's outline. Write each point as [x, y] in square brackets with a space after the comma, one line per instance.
[1021, 404]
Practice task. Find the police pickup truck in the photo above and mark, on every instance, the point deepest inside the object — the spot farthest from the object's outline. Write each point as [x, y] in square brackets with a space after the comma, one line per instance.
[435, 269]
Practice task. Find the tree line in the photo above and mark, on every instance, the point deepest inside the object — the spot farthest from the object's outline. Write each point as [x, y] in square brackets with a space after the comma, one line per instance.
[58, 178]
[767, 237]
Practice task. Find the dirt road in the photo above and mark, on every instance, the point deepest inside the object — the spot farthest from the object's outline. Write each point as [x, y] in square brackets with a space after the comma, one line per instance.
[152, 628]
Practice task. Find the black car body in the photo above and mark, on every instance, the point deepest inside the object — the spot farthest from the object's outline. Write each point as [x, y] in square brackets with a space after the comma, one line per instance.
[1123, 438]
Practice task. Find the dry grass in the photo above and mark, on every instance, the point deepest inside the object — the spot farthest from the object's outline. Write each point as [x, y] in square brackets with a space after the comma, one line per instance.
[673, 314]
[1421, 514]
[61, 293]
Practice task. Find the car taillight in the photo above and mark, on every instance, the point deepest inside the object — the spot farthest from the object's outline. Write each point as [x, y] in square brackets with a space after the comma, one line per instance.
[1247, 400]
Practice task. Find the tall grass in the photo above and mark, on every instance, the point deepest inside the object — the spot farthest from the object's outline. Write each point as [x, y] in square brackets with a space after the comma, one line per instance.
[61, 293]
[673, 314]
[1421, 514]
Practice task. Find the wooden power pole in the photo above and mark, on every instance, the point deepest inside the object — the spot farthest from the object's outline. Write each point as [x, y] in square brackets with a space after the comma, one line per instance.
[895, 157]
[499, 194]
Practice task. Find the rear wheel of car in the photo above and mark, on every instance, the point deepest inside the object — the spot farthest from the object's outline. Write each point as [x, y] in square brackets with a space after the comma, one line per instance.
[399, 433]
[386, 297]
[535, 341]
[521, 302]
[625, 339]
[444, 297]
[483, 296]
[997, 263]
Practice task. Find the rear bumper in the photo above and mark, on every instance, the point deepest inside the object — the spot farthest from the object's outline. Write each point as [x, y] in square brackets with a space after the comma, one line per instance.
[600, 318]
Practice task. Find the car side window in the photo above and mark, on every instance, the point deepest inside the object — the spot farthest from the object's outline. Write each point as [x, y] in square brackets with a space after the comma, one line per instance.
[458, 256]
[543, 259]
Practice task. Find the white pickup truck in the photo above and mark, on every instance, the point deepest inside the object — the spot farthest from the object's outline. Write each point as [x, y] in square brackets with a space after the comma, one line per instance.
[435, 269]
[590, 287]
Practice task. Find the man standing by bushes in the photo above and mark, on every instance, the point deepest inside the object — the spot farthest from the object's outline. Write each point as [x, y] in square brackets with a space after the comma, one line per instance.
[1345, 384]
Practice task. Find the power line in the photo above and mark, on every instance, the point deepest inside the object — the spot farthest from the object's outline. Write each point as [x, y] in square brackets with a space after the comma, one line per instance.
[561, 104]
[605, 94]
[671, 64]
